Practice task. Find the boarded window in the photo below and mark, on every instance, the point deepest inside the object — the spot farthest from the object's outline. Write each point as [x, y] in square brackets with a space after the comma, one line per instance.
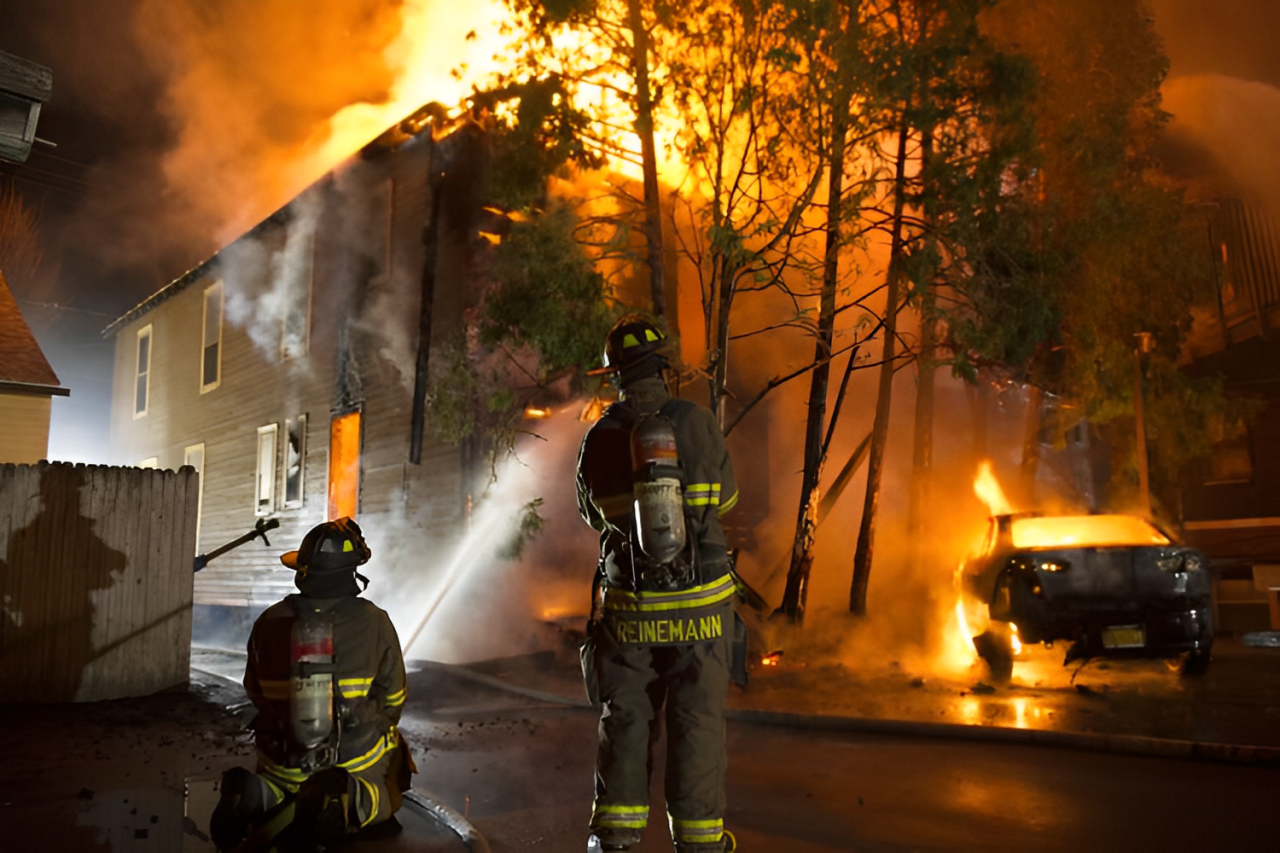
[265, 490]
[295, 452]
[211, 349]
[142, 373]
[344, 465]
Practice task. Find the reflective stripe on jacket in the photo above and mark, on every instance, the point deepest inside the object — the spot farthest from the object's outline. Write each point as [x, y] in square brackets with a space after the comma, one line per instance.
[369, 680]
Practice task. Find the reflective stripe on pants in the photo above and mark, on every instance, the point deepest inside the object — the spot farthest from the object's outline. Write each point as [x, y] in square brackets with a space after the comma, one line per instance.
[640, 686]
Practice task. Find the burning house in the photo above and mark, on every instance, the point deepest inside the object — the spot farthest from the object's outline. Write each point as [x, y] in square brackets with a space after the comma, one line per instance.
[291, 368]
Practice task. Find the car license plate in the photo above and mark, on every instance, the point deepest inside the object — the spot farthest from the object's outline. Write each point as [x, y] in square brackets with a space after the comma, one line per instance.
[1124, 637]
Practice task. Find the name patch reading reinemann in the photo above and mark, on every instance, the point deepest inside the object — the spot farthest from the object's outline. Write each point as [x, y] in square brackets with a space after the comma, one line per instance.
[671, 630]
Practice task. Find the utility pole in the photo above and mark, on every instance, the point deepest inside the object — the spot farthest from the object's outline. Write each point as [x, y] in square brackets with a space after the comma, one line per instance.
[1146, 343]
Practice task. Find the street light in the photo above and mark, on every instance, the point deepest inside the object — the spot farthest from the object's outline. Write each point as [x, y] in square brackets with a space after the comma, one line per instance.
[1146, 343]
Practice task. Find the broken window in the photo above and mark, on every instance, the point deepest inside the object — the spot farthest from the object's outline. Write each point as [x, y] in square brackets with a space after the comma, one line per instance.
[344, 465]
[211, 350]
[295, 451]
[265, 490]
[142, 373]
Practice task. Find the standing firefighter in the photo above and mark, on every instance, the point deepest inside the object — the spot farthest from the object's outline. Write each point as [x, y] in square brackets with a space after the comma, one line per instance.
[654, 477]
[327, 677]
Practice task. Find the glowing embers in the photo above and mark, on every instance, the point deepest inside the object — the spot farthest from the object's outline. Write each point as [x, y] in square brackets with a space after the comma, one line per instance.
[344, 466]
[1099, 531]
[772, 659]
[536, 413]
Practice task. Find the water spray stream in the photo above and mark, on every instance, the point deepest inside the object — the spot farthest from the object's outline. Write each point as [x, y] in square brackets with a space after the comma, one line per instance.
[495, 514]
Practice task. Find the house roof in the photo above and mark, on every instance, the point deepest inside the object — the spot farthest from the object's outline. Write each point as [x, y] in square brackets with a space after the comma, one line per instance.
[22, 363]
[428, 122]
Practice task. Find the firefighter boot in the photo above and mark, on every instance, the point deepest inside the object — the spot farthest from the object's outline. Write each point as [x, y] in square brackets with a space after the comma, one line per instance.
[320, 819]
[596, 845]
[239, 803]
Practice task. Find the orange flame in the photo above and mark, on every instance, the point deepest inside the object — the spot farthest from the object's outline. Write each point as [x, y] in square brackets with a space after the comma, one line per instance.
[987, 488]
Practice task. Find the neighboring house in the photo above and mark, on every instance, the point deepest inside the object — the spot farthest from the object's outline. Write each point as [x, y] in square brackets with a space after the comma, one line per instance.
[27, 387]
[1231, 506]
[291, 368]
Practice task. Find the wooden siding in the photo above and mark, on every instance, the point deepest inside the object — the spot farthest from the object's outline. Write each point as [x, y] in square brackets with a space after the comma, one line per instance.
[362, 345]
[96, 580]
[24, 427]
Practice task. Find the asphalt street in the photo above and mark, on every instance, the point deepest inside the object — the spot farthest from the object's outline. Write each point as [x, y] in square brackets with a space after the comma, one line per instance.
[520, 768]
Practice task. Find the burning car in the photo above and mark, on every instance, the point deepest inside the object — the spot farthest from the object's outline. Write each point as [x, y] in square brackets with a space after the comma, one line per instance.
[1109, 585]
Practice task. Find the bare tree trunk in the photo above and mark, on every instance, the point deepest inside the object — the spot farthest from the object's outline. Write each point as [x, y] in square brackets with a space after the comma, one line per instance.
[1031, 445]
[977, 393]
[922, 438]
[794, 598]
[864, 550]
[649, 162]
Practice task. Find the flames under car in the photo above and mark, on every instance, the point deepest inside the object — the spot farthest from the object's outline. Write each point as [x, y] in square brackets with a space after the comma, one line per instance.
[1107, 585]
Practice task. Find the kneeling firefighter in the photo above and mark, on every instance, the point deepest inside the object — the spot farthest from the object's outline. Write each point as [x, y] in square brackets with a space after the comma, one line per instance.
[327, 677]
[654, 477]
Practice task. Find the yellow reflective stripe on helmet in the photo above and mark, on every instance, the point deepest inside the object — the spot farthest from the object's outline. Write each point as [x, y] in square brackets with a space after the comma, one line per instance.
[354, 688]
[630, 340]
[396, 698]
[620, 817]
[274, 688]
[698, 596]
[697, 831]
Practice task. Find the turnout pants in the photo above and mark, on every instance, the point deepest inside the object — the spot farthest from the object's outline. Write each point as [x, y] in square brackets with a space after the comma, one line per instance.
[640, 685]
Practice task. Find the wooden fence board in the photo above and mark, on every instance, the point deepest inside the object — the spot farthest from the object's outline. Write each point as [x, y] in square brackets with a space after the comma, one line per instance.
[96, 580]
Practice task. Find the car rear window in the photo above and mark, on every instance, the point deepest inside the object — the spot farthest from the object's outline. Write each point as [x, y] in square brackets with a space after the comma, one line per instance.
[1065, 531]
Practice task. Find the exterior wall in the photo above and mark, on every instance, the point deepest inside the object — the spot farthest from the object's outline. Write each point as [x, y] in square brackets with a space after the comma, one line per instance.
[364, 297]
[96, 581]
[24, 428]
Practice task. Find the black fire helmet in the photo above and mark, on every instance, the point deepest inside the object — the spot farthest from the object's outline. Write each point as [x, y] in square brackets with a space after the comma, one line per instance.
[634, 348]
[331, 546]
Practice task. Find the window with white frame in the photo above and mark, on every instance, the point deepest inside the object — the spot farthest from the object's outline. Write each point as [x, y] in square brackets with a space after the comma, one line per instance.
[142, 373]
[211, 343]
[295, 460]
[265, 481]
[295, 325]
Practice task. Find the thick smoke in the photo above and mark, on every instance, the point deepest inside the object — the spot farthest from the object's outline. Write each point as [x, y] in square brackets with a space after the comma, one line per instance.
[1238, 123]
[266, 97]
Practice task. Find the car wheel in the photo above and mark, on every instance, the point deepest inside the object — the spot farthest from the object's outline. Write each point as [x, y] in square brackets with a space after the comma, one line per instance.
[996, 650]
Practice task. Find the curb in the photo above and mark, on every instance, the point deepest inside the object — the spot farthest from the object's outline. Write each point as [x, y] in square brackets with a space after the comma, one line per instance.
[455, 822]
[1088, 741]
